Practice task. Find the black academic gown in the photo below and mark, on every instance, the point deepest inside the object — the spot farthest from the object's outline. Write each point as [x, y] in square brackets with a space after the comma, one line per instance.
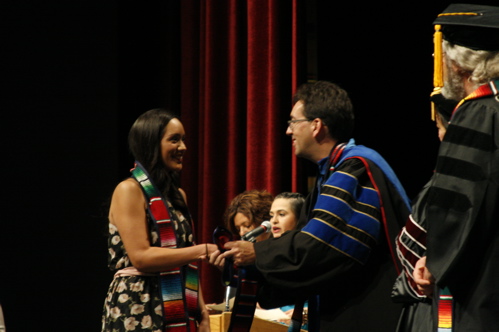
[463, 216]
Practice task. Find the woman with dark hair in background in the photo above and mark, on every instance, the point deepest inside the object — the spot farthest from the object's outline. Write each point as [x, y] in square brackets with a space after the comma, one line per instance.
[151, 244]
[285, 212]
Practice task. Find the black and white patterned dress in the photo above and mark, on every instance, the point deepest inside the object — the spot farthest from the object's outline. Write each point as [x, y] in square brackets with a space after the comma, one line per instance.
[133, 302]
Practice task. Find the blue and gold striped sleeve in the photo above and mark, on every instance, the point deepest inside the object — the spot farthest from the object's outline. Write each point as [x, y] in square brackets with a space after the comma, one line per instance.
[347, 214]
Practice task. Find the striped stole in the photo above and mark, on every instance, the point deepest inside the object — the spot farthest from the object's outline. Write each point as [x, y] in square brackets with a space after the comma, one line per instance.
[490, 89]
[241, 278]
[180, 299]
[444, 310]
[245, 301]
[297, 317]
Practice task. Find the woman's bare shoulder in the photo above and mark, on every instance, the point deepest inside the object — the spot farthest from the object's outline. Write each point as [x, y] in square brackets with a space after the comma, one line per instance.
[128, 191]
[127, 199]
[127, 186]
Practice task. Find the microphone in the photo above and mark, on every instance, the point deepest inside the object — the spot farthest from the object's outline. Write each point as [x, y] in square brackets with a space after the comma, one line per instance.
[252, 235]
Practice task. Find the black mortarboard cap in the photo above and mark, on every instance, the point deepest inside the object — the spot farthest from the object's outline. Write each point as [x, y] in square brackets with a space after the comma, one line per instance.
[472, 26]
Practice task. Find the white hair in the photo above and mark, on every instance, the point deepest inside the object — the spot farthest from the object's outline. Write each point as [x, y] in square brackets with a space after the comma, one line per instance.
[483, 66]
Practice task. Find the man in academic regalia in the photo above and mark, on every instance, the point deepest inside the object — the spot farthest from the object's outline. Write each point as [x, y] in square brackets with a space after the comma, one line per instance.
[462, 257]
[341, 260]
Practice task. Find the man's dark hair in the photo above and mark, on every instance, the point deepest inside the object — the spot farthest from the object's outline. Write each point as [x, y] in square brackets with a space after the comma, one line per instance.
[330, 103]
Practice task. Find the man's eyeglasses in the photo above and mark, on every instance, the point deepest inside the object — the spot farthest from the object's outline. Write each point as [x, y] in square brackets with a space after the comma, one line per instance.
[291, 123]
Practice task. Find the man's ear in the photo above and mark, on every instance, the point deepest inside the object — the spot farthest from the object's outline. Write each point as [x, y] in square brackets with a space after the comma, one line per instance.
[318, 127]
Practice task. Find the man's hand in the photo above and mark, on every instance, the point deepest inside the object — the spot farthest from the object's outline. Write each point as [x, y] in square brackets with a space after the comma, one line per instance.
[217, 260]
[423, 278]
[241, 252]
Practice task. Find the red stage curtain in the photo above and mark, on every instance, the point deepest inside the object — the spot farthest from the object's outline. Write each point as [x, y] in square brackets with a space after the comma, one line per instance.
[240, 63]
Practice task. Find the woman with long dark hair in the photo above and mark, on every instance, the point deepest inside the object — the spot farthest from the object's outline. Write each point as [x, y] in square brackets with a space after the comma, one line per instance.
[151, 244]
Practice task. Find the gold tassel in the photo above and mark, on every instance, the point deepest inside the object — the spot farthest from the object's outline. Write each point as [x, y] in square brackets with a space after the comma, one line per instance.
[436, 91]
[437, 58]
[438, 81]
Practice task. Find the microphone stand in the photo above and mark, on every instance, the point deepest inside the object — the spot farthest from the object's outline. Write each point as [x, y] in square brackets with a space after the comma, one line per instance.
[227, 298]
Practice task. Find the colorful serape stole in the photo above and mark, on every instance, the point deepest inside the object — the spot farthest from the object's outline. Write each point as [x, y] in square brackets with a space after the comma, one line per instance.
[444, 310]
[245, 301]
[490, 89]
[180, 302]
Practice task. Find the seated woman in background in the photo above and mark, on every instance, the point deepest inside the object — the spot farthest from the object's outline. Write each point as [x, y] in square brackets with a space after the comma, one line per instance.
[285, 211]
[252, 207]
[247, 211]
[284, 214]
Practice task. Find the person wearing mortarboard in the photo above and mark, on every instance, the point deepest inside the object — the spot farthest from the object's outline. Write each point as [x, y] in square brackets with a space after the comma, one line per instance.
[461, 268]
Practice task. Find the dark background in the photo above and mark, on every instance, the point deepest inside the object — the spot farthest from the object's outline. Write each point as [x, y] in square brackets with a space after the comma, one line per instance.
[75, 74]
